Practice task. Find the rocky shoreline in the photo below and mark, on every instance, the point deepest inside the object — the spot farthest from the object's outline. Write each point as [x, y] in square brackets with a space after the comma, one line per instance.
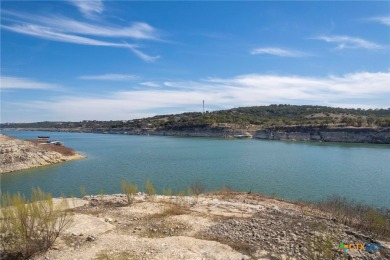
[286, 133]
[21, 154]
[221, 225]
[325, 134]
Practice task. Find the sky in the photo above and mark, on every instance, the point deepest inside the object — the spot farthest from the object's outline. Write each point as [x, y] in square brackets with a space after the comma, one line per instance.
[120, 60]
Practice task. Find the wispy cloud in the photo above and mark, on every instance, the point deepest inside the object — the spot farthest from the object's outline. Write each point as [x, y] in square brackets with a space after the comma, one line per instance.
[112, 77]
[9, 82]
[72, 31]
[89, 8]
[150, 84]
[136, 30]
[383, 20]
[348, 42]
[142, 55]
[53, 35]
[278, 52]
[348, 90]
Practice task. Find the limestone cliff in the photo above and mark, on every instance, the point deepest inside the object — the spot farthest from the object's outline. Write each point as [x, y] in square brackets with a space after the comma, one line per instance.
[293, 133]
[282, 133]
[324, 134]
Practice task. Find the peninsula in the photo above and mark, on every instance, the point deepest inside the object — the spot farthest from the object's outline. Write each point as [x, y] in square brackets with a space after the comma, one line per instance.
[21, 154]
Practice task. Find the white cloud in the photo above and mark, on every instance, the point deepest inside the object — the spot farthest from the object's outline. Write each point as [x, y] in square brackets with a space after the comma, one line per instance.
[363, 89]
[143, 55]
[136, 30]
[89, 8]
[50, 34]
[383, 20]
[348, 42]
[113, 77]
[278, 52]
[9, 82]
[71, 31]
[150, 84]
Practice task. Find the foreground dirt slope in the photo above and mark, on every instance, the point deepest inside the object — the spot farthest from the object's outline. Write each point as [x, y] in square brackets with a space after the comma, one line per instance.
[213, 226]
[18, 154]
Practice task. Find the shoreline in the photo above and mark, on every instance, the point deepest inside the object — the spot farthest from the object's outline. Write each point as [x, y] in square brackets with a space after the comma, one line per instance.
[64, 159]
[308, 134]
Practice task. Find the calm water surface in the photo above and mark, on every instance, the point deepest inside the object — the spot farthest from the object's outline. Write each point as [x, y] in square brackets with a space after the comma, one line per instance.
[289, 170]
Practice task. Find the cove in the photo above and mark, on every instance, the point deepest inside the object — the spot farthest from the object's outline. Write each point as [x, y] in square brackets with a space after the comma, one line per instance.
[290, 170]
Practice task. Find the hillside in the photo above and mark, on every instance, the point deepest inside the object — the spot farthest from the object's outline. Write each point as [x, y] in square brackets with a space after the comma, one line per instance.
[274, 122]
[264, 116]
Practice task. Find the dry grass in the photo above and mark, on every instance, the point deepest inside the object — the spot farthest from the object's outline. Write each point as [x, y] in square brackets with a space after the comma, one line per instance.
[358, 215]
[54, 148]
[123, 255]
[244, 248]
[73, 241]
[241, 247]
[173, 210]
[162, 227]
[60, 149]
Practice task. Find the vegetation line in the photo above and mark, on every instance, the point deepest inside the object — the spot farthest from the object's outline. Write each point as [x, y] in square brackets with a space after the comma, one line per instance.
[261, 116]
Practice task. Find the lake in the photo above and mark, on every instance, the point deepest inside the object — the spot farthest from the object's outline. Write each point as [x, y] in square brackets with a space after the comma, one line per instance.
[290, 170]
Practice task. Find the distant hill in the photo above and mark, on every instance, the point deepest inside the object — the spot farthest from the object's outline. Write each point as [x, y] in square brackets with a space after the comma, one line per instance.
[242, 117]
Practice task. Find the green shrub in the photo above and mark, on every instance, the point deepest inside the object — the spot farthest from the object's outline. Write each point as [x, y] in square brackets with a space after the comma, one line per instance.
[101, 194]
[358, 215]
[83, 191]
[197, 188]
[129, 189]
[167, 192]
[376, 222]
[226, 189]
[31, 226]
[150, 190]
[180, 198]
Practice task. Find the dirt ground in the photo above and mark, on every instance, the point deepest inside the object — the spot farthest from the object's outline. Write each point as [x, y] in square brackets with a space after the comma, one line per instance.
[212, 226]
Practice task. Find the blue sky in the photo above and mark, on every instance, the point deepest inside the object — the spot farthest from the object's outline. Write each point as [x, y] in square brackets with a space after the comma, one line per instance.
[119, 60]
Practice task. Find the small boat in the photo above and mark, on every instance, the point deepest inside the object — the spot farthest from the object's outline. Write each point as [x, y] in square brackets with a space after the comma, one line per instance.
[43, 137]
[56, 143]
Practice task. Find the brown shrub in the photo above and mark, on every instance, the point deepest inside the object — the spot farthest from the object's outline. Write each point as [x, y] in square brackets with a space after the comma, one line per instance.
[54, 148]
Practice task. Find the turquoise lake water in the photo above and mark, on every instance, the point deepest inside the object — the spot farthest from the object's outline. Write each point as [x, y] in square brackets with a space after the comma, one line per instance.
[291, 170]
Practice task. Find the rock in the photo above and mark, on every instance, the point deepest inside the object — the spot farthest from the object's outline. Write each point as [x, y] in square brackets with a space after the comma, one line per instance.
[94, 202]
[109, 220]
[90, 238]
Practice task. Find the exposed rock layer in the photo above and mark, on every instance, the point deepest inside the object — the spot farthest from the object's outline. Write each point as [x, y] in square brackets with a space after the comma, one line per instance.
[212, 226]
[286, 133]
[282, 133]
[346, 135]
